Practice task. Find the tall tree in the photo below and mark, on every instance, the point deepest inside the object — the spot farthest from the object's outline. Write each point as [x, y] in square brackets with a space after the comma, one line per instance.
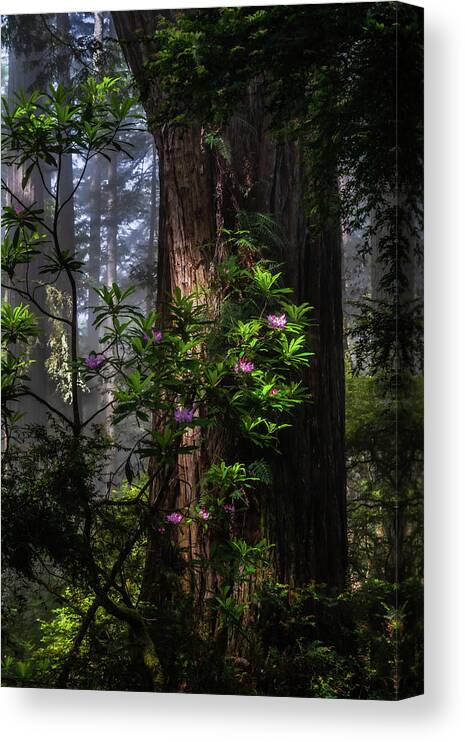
[201, 191]
[67, 230]
[112, 222]
[26, 72]
[95, 176]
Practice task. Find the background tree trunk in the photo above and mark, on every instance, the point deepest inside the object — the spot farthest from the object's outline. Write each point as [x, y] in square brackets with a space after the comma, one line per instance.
[26, 72]
[95, 247]
[66, 223]
[112, 223]
[95, 186]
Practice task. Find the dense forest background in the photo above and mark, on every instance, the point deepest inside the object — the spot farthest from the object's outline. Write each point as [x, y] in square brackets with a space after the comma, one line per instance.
[212, 379]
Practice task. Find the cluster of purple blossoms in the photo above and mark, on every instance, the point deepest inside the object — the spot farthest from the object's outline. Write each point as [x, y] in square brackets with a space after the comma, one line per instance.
[156, 334]
[244, 366]
[183, 415]
[204, 513]
[277, 321]
[93, 361]
[174, 518]
[230, 508]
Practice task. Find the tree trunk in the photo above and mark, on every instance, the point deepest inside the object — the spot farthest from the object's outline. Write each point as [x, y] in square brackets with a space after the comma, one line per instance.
[66, 224]
[95, 197]
[66, 227]
[95, 247]
[312, 545]
[152, 248]
[112, 222]
[198, 195]
[112, 261]
[306, 518]
[27, 49]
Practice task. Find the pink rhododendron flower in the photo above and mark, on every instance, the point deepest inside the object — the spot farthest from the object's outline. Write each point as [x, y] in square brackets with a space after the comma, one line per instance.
[93, 361]
[229, 508]
[183, 415]
[273, 391]
[278, 321]
[157, 334]
[174, 517]
[203, 512]
[244, 366]
[161, 529]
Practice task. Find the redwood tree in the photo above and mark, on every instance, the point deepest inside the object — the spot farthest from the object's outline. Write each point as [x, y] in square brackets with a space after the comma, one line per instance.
[203, 189]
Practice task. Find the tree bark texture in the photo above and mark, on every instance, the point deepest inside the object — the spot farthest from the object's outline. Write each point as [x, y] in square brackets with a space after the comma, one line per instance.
[152, 247]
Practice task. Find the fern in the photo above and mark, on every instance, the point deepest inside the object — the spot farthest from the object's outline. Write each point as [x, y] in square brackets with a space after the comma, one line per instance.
[264, 229]
[261, 470]
[215, 141]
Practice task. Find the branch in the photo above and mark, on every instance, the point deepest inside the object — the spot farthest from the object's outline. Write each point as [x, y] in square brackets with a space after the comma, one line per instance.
[43, 311]
[50, 193]
[73, 192]
[25, 207]
[100, 599]
[132, 500]
[53, 409]
[74, 322]
[74, 50]
[84, 627]
[86, 422]
[56, 594]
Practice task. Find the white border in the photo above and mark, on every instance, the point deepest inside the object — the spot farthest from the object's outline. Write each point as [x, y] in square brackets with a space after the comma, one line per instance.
[78, 715]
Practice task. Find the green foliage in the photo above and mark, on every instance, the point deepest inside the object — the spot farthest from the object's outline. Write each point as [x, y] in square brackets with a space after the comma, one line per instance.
[42, 127]
[265, 282]
[178, 375]
[224, 481]
[48, 482]
[385, 453]
[387, 336]
[311, 643]
[178, 383]
[160, 372]
[330, 79]
[69, 528]
[265, 230]
[229, 610]
[19, 326]
[215, 141]
[106, 657]
[22, 246]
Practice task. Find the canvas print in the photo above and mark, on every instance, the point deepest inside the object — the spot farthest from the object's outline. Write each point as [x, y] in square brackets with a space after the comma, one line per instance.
[212, 350]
